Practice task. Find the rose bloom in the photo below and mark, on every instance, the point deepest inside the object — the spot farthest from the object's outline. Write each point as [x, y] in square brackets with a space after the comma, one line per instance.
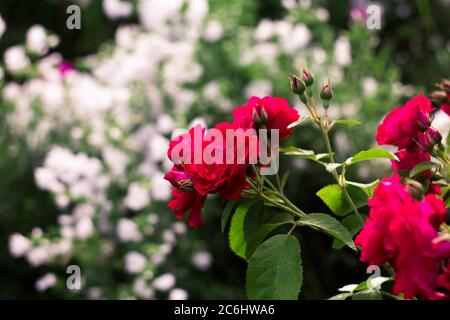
[193, 181]
[402, 125]
[403, 230]
[409, 158]
[279, 114]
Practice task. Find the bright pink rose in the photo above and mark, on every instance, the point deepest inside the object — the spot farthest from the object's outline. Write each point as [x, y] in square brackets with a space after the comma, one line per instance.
[188, 202]
[375, 238]
[404, 231]
[402, 125]
[409, 158]
[415, 264]
[279, 114]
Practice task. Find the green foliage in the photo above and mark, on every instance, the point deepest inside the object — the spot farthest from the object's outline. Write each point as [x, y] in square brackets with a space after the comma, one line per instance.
[329, 225]
[275, 270]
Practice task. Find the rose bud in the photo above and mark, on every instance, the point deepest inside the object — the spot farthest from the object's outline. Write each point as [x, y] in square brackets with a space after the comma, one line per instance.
[179, 179]
[428, 139]
[307, 77]
[298, 86]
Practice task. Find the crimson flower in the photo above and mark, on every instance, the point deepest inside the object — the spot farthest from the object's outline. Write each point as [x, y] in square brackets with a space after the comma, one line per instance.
[276, 113]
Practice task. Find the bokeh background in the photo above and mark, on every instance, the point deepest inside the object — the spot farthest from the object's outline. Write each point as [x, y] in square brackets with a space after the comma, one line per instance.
[86, 116]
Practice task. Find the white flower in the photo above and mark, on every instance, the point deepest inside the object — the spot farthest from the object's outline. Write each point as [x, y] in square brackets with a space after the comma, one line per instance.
[84, 228]
[37, 40]
[164, 282]
[135, 262]
[161, 188]
[19, 245]
[15, 59]
[259, 88]
[165, 124]
[202, 260]
[115, 9]
[128, 230]
[45, 282]
[137, 197]
[342, 51]
[213, 31]
[178, 294]
[370, 86]
[2, 26]
[37, 256]
[141, 289]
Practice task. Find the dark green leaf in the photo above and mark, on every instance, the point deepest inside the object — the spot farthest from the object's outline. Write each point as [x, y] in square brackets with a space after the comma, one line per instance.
[329, 225]
[353, 226]
[226, 214]
[254, 241]
[421, 167]
[275, 270]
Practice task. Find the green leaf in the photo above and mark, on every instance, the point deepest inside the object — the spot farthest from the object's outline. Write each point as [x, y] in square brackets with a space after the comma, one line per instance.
[368, 294]
[421, 167]
[334, 198]
[375, 153]
[329, 225]
[353, 226]
[226, 214]
[341, 296]
[275, 270]
[236, 234]
[255, 240]
[302, 153]
[347, 122]
[368, 188]
[298, 122]
[284, 179]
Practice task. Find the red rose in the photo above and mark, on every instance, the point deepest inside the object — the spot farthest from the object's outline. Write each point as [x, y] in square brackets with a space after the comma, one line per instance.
[375, 238]
[227, 178]
[409, 158]
[402, 125]
[209, 175]
[277, 111]
[184, 202]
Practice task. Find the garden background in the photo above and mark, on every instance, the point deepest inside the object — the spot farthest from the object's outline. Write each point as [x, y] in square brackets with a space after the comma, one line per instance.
[100, 103]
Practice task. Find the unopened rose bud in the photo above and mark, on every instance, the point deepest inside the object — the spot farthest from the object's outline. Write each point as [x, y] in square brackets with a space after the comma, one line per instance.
[307, 77]
[298, 86]
[428, 139]
[180, 180]
[415, 189]
[327, 92]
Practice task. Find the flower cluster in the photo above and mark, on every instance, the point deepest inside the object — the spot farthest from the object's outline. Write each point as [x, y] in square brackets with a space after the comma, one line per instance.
[404, 226]
[408, 128]
[192, 181]
[405, 231]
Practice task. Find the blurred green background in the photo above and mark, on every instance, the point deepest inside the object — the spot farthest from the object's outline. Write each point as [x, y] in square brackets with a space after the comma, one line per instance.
[414, 39]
